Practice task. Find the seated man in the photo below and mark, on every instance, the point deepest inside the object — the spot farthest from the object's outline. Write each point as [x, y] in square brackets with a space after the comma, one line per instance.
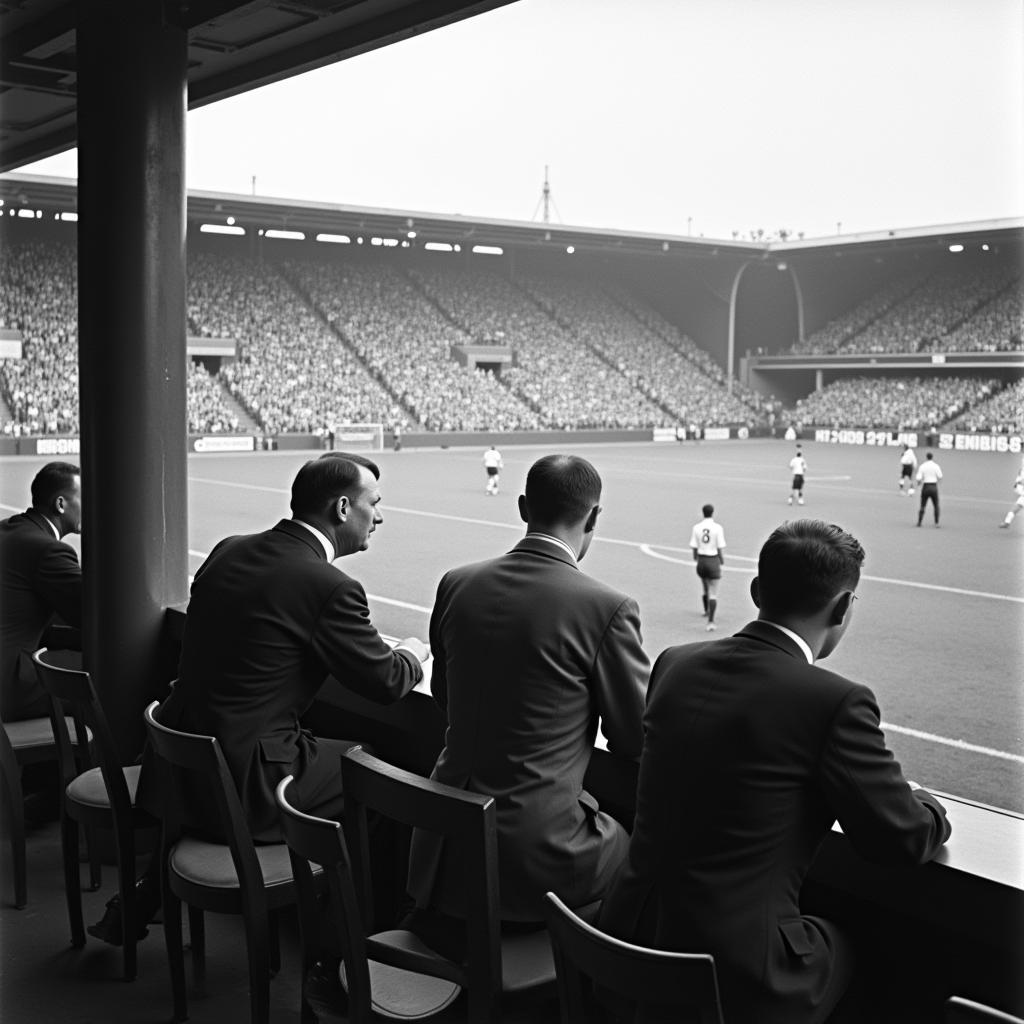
[40, 579]
[269, 618]
[528, 654]
[751, 751]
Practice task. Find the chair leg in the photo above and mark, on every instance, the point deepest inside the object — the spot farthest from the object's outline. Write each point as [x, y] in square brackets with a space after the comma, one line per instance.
[72, 882]
[129, 904]
[15, 815]
[258, 947]
[197, 942]
[175, 953]
[274, 936]
[95, 865]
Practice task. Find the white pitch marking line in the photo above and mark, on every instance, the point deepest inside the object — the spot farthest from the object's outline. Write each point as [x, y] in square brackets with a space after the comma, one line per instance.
[916, 733]
[648, 550]
[958, 744]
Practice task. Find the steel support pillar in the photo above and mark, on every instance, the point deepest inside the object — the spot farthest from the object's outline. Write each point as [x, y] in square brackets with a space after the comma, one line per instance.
[131, 307]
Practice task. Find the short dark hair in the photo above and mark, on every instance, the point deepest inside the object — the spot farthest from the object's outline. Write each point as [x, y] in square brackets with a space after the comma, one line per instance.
[804, 564]
[708, 510]
[327, 478]
[561, 489]
[53, 479]
[928, 455]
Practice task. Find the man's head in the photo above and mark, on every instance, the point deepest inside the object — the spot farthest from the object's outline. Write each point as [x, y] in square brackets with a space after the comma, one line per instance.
[338, 494]
[708, 510]
[928, 455]
[57, 494]
[807, 572]
[562, 498]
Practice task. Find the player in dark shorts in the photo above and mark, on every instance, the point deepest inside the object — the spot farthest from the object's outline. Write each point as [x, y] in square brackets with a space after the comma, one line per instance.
[707, 540]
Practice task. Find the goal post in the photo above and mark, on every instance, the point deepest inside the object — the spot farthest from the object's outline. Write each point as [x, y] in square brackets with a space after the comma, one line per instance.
[356, 437]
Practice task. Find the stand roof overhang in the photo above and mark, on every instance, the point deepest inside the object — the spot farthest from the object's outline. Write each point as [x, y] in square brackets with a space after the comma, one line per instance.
[232, 47]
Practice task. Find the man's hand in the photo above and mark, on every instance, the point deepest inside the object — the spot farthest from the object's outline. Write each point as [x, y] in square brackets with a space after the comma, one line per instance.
[416, 646]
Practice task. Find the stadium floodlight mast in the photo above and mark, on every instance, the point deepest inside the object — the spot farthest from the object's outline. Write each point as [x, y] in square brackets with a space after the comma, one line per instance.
[546, 201]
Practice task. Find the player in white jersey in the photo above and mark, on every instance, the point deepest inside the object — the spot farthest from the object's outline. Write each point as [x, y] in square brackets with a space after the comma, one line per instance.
[928, 476]
[707, 539]
[493, 465]
[908, 463]
[1018, 486]
[798, 467]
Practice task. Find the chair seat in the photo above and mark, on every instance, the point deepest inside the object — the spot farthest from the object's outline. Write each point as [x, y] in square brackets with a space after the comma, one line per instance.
[90, 791]
[202, 863]
[36, 732]
[527, 962]
[406, 995]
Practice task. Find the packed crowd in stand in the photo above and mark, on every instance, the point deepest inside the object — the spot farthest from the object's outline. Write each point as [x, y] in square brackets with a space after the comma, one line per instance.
[372, 339]
[910, 403]
[653, 366]
[291, 373]
[966, 309]
[1003, 413]
[553, 372]
[208, 413]
[996, 326]
[39, 298]
[406, 342]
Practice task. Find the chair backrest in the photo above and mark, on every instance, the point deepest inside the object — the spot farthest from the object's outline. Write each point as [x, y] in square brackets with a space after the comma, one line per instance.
[338, 933]
[71, 692]
[469, 825]
[964, 1011]
[666, 986]
[194, 752]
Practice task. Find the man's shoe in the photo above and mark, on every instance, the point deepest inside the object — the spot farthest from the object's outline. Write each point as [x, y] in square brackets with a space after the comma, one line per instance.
[711, 627]
[110, 927]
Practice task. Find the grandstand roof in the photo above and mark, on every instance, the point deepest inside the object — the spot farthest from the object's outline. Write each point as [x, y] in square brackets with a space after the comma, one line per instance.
[232, 47]
[59, 195]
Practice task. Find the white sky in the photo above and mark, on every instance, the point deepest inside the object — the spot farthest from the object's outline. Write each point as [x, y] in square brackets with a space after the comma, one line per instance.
[739, 114]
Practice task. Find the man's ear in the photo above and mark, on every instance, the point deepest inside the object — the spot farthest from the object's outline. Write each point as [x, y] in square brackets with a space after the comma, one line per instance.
[755, 592]
[841, 605]
[591, 522]
[341, 508]
[524, 512]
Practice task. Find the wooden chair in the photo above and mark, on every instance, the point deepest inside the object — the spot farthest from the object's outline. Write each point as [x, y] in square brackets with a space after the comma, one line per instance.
[665, 986]
[333, 934]
[964, 1011]
[237, 877]
[494, 964]
[102, 797]
[29, 741]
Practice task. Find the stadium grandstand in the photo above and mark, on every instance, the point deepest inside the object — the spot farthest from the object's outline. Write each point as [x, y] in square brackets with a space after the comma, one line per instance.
[397, 328]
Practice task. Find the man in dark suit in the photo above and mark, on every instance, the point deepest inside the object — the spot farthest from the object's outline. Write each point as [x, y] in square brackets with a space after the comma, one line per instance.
[40, 579]
[269, 618]
[751, 751]
[528, 654]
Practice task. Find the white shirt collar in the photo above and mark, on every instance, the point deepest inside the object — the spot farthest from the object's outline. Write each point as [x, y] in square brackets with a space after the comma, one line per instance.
[324, 542]
[49, 523]
[795, 637]
[557, 541]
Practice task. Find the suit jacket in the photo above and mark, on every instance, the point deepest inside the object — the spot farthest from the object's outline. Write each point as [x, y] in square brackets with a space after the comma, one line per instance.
[528, 653]
[269, 618]
[40, 578]
[750, 754]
